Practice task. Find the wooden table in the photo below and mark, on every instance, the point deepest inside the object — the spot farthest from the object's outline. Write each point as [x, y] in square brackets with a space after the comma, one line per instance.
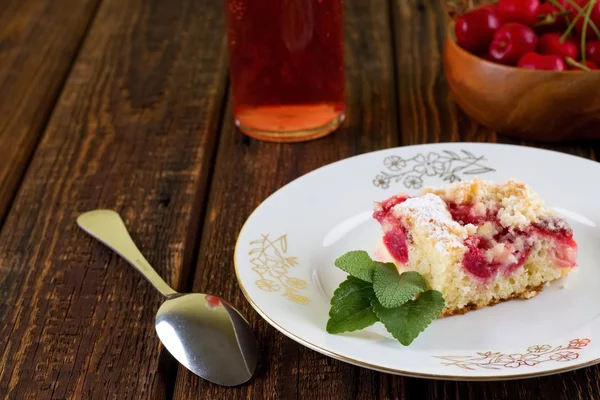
[124, 104]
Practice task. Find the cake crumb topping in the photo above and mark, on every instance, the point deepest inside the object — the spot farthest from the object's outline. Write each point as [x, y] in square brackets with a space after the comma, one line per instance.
[516, 204]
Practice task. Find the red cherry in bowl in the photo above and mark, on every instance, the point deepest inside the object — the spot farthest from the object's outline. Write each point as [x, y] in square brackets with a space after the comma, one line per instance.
[592, 51]
[492, 7]
[522, 11]
[475, 29]
[550, 43]
[548, 62]
[511, 42]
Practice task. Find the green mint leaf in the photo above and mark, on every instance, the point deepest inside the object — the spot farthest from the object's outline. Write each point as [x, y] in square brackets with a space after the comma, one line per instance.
[406, 322]
[357, 264]
[351, 308]
[393, 290]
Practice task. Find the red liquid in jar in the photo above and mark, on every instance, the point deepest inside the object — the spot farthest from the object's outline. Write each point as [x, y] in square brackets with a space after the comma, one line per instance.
[286, 66]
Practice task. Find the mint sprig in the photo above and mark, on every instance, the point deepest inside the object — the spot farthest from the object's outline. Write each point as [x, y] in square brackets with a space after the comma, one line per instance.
[406, 322]
[375, 291]
[351, 308]
[357, 264]
[393, 290]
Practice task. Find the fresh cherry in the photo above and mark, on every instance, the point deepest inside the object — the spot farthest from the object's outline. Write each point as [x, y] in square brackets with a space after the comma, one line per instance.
[492, 7]
[511, 42]
[592, 51]
[475, 29]
[548, 62]
[522, 11]
[589, 64]
[550, 43]
[489, 6]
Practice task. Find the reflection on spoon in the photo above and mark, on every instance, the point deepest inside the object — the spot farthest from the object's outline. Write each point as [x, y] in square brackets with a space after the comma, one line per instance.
[166, 331]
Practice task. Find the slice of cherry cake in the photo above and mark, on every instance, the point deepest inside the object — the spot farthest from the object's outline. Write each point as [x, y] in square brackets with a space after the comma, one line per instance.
[477, 242]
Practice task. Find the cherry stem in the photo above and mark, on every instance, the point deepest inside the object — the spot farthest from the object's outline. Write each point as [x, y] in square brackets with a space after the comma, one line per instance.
[579, 11]
[553, 14]
[574, 63]
[588, 13]
[548, 19]
[569, 28]
[556, 4]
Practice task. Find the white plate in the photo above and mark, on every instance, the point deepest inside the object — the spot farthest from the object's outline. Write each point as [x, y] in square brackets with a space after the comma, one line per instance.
[285, 252]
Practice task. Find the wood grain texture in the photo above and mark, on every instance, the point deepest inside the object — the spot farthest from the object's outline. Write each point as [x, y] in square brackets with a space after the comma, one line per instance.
[247, 171]
[38, 41]
[134, 130]
[427, 111]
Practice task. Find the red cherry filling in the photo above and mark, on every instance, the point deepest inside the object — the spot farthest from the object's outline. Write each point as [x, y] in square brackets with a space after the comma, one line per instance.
[521, 257]
[395, 237]
[386, 205]
[517, 245]
[476, 259]
[512, 247]
[395, 241]
[467, 214]
[555, 228]
[564, 253]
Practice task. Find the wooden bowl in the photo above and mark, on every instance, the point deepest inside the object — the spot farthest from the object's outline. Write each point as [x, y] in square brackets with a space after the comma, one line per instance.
[528, 104]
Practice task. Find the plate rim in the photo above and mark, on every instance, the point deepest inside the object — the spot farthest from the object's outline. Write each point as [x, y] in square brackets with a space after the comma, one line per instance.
[375, 367]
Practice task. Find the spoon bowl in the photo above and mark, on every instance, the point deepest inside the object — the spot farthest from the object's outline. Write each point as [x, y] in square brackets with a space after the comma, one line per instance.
[208, 337]
[204, 333]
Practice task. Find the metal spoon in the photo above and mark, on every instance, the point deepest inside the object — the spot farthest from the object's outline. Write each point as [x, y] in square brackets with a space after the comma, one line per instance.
[203, 332]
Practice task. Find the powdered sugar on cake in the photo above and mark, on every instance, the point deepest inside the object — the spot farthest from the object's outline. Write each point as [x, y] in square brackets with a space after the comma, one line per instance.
[428, 215]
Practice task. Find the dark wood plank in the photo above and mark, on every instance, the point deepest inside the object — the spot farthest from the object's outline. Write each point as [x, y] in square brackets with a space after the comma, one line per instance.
[134, 130]
[427, 111]
[247, 171]
[38, 41]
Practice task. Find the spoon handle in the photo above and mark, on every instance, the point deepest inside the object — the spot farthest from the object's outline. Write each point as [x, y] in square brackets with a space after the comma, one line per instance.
[108, 227]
